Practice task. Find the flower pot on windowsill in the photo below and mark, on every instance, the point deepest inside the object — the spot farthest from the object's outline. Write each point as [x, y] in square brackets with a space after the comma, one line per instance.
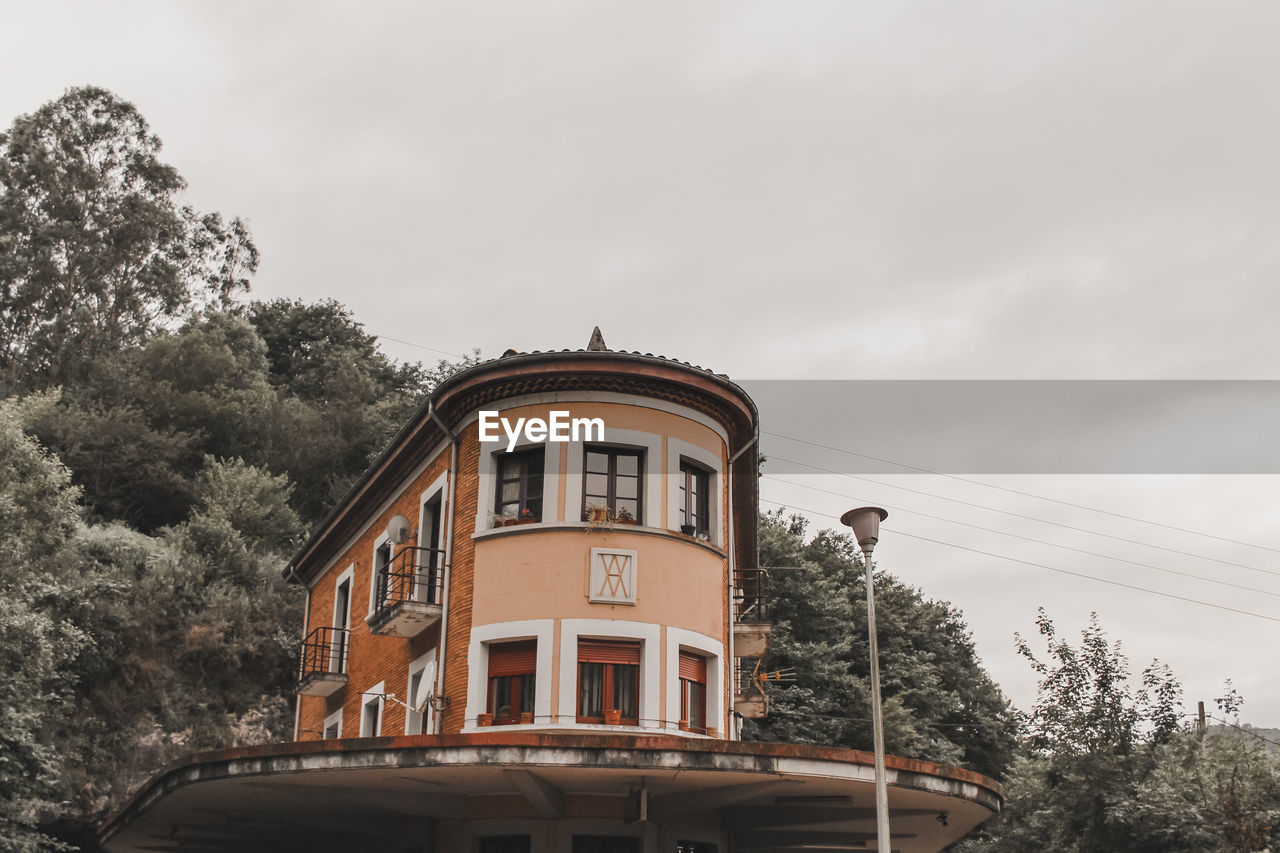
[526, 718]
[527, 521]
[612, 718]
[684, 725]
[484, 720]
[510, 522]
[688, 529]
[713, 733]
[627, 521]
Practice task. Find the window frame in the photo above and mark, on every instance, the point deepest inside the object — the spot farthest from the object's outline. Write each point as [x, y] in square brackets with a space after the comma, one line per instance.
[379, 544]
[609, 677]
[375, 695]
[687, 691]
[693, 471]
[333, 721]
[611, 479]
[340, 653]
[520, 456]
[522, 688]
[425, 667]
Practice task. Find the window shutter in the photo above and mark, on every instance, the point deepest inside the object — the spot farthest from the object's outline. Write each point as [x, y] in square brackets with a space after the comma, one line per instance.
[693, 667]
[513, 658]
[608, 651]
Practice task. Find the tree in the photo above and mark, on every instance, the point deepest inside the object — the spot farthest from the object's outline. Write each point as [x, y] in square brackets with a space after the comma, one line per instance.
[1091, 742]
[939, 703]
[96, 252]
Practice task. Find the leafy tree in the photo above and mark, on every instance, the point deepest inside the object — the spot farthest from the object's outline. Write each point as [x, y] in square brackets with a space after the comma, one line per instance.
[37, 517]
[96, 252]
[939, 704]
[1091, 741]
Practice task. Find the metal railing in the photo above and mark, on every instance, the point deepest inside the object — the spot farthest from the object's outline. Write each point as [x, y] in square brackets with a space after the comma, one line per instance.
[751, 595]
[324, 652]
[414, 574]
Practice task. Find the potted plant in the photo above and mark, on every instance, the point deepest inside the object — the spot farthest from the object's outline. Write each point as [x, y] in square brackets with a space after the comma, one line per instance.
[625, 516]
[495, 520]
[688, 529]
[527, 517]
[526, 717]
[612, 717]
[595, 514]
[484, 720]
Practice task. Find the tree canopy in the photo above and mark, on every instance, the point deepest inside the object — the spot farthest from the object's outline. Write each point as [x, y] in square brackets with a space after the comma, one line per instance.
[96, 249]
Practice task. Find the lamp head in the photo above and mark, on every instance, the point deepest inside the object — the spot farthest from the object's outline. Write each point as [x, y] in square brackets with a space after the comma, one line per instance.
[865, 521]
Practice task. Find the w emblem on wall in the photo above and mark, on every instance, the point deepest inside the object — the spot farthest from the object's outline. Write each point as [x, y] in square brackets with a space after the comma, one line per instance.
[612, 579]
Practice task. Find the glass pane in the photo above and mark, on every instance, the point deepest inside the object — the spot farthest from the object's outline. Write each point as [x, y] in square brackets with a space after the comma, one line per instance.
[528, 685]
[629, 465]
[597, 462]
[590, 689]
[500, 696]
[597, 484]
[624, 689]
[511, 491]
[697, 705]
[628, 487]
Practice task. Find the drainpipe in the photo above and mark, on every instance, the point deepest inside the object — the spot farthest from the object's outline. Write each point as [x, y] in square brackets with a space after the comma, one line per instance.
[448, 560]
[731, 664]
[306, 615]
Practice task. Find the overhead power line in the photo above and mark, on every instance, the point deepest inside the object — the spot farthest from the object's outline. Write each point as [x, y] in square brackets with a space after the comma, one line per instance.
[899, 532]
[1042, 541]
[420, 346]
[1028, 517]
[1023, 493]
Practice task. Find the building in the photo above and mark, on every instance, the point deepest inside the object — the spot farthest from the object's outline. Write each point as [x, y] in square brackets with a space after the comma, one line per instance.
[544, 643]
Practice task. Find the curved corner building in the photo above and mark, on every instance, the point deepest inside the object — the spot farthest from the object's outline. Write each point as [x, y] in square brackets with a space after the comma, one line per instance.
[542, 644]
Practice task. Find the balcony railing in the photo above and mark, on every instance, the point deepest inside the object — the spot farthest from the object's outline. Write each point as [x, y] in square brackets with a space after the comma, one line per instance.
[751, 613]
[751, 595]
[409, 593]
[323, 667]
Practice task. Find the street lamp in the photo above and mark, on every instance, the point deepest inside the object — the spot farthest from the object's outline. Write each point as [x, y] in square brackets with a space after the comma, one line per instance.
[865, 521]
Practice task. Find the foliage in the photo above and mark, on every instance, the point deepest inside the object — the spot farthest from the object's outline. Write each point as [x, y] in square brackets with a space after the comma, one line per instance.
[96, 252]
[939, 704]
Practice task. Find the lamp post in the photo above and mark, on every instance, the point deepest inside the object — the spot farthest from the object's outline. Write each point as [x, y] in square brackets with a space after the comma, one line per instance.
[865, 522]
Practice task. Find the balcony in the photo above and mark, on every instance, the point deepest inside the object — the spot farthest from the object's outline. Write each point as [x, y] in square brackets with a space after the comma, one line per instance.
[409, 593]
[324, 662]
[751, 613]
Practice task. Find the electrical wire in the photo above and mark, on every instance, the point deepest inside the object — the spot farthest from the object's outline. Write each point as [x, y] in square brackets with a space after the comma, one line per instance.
[1023, 493]
[420, 346]
[1041, 541]
[899, 532]
[1243, 730]
[1028, 517]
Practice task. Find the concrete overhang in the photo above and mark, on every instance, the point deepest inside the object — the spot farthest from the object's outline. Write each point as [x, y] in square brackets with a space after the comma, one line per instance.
[369, 792]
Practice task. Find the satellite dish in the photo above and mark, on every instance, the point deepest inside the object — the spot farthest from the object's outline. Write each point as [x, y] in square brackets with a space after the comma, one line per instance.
[398, 530]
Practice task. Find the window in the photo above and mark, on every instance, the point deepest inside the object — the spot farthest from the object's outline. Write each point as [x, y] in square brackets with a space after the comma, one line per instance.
[695, 485]
[519, 492]
[693, 692]
[341, 621]
[371, 712]
[612, 479]
[429, 580]
[605, 844]
[512, 681]
[333, 725]
[504, 844]
[608, 682]
[381, 575]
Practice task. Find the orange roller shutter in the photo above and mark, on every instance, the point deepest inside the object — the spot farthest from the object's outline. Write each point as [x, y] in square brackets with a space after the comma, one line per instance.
[605, 651]
[513, 658]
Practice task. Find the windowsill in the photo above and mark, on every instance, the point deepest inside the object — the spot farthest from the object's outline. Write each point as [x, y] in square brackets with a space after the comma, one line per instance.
[630, 529]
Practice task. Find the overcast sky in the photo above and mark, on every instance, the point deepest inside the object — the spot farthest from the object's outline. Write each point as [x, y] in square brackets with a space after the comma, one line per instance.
[1032, 190]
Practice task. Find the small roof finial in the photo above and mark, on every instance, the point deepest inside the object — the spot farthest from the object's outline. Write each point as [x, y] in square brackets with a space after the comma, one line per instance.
[596, 344]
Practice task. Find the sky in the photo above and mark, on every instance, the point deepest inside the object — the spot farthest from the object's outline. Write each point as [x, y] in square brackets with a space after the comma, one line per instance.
[830, 190]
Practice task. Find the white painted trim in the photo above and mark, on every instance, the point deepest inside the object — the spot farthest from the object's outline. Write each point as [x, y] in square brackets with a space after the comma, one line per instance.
[335, 717]
[427, 666]
[488, 477]
[713, 650]
[542, 630]
[651, 477]
[437, 487]
[677, 449]
[367, 699]
[650, 637]
[373, 567]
